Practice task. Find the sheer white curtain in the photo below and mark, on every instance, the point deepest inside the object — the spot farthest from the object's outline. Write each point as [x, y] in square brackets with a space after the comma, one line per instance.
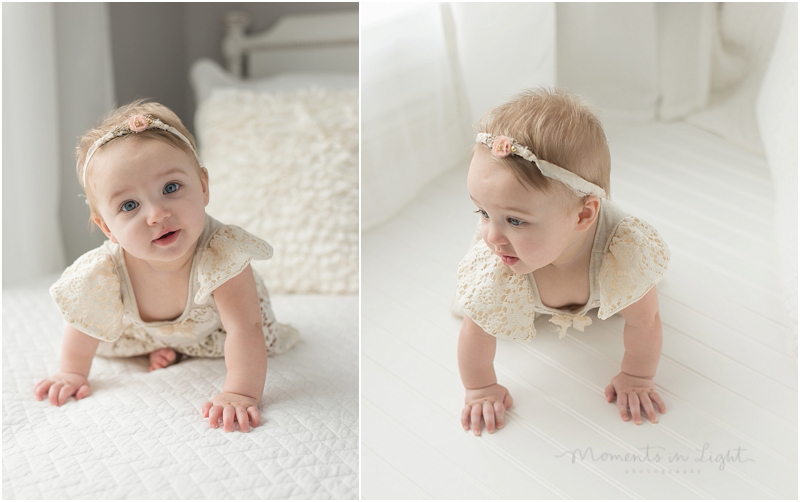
[413, 121]
[729, 68]
[428, 72]
[637, 61]
[503, 48]
[776, 111]
[699, 62]
[56, 84]
[607, 55]
[744, 39]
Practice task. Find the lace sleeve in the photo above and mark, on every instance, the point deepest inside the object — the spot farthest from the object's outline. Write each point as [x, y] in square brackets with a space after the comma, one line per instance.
[637, 260]
[229, 252]
[88, 295]
[494, 297]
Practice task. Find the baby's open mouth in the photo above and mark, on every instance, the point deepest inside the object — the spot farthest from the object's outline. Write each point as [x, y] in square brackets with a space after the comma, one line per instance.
[165, 237]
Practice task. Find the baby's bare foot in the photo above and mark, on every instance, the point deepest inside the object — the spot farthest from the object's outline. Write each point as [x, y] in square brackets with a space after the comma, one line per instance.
[162, 358]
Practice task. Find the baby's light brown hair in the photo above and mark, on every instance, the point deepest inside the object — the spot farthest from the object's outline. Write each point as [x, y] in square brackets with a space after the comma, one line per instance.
[557, 127]
[120, 116]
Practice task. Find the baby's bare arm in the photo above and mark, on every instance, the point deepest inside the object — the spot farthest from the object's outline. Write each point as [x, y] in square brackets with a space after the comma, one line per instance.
[77, 352]
[633, 387]
[245, 355]
[476, 350]
[484, 399]
[642, 337]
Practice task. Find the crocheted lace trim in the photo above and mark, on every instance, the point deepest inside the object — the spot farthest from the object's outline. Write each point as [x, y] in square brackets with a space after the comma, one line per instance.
[494, 297]
[228, 253]
[637, 259]
[502, 302]
[88, 295]
[136, 340]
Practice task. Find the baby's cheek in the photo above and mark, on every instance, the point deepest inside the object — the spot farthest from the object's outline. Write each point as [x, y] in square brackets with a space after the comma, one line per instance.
[484, 231]
[531, 254]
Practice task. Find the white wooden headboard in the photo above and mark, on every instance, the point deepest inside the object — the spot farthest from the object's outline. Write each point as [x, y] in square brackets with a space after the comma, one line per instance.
[309, 42]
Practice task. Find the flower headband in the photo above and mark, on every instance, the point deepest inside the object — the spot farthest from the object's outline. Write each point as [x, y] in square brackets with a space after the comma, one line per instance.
[503, 146]
[135, 124]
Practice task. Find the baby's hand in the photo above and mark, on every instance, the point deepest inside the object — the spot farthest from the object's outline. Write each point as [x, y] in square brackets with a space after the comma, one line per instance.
[489, 403]
[62, 385]
[232, 407]
[634, 392]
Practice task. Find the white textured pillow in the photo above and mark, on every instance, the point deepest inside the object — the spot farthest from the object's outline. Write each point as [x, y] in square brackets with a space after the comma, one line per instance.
[284, 166]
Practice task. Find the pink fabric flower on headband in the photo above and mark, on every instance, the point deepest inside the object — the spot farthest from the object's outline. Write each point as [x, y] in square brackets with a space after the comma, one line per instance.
[501, 146]
[137, 123]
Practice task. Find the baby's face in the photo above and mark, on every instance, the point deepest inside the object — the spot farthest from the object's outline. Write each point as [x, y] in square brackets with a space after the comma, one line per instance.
[527, 228]
[151, 198]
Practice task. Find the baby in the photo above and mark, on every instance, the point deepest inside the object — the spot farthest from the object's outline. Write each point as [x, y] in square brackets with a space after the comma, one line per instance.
[170, 280]
[553, 243]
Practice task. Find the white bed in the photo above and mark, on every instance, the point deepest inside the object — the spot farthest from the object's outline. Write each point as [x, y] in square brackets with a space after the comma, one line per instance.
[142, 435]
[726, 373]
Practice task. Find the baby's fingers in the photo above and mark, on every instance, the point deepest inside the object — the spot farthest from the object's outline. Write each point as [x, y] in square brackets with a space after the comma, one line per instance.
[243, 418]
[52, 394]
[499, 415]
[66, 391]
[622, 405]
[83, 391]
[633, 403]
[659, 402]
[214, 414]
[228, 415]
[610, 393]
[476, 419]
[488, 416]
[465, 416]
[255, 416]
[647, 406]
[41, 389]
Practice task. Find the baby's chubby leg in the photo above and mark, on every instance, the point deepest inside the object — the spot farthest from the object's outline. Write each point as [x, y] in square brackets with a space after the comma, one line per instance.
[162, 358]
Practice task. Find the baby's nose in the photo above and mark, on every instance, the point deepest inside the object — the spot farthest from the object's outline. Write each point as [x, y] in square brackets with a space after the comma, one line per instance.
[495, 236]
[158, 213]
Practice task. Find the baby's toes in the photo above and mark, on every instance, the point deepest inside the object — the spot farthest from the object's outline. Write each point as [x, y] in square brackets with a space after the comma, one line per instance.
[161, 358]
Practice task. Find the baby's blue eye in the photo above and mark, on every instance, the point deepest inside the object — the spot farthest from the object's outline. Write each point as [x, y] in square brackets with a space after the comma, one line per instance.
[171, 187]
[129, 205]
[483, 213]
[514, 222]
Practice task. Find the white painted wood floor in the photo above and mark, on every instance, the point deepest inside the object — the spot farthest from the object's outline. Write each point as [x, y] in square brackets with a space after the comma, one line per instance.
[726, 375]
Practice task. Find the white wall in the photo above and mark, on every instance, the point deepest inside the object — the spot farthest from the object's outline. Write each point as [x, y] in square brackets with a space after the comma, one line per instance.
[178, 34]
[85, 92]
[153, 62]
[31, 243]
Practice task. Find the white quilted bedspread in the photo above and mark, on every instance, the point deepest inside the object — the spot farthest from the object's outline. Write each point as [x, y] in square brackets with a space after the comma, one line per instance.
[141, 435]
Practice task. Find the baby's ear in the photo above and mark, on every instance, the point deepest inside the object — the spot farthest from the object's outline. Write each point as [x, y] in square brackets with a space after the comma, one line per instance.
[204, 185]
[589, 212]
[104, 228]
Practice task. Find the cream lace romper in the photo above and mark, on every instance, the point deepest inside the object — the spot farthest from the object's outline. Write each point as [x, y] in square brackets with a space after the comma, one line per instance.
[95, 296]
[628, 258]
